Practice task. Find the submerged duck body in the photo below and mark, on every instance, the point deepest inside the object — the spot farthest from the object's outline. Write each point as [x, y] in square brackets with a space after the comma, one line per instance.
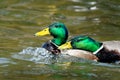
[80, 46]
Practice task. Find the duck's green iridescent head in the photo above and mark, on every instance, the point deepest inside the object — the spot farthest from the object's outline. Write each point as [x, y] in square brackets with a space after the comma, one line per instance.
[58, 31]
[83, 43]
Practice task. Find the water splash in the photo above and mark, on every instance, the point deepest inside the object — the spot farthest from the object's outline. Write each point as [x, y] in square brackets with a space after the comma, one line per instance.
[35, 54]
[41, 55]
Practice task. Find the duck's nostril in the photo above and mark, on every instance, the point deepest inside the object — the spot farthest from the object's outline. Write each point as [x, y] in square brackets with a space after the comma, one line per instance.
[35, 34]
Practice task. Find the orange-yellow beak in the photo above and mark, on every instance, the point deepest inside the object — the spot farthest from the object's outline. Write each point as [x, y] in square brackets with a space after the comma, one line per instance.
[43, 32]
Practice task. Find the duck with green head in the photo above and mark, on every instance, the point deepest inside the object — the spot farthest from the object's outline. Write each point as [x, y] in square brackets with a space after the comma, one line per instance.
[60, 35]
[80, 46]
[97, 48]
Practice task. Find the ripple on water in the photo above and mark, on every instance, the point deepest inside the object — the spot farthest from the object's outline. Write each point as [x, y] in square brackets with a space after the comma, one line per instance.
[5, 62]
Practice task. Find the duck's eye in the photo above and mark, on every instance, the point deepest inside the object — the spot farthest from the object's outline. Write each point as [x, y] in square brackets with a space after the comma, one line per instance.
[78, 40]
[56, 26]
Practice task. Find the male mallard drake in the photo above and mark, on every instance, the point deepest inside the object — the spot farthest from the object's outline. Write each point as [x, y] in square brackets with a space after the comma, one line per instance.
[60, 35]
[101, 51]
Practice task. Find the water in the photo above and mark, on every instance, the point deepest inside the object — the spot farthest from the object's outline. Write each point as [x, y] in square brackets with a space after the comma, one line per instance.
[20, 19]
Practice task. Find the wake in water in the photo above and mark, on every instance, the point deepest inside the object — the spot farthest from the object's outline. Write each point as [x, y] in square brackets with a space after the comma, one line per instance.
[41, 55]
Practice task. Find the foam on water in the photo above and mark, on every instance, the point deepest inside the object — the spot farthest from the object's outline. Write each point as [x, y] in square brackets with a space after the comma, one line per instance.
[35, 54]
[41, 55]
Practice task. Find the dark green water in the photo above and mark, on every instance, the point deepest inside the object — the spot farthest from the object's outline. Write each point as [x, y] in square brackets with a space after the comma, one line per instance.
[20, 19]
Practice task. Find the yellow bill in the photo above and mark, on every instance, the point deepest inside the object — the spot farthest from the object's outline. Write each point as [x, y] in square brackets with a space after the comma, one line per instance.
[67, 45]
[43, 32]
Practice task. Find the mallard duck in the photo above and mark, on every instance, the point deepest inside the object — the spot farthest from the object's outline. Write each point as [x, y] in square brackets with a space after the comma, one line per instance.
[60, 35]
[91, 46]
